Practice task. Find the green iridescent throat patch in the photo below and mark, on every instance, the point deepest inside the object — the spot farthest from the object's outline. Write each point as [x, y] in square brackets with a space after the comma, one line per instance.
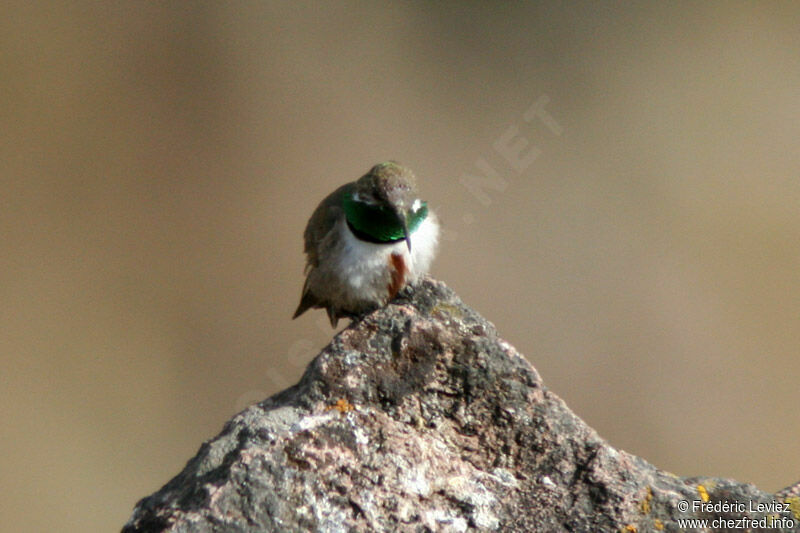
[378, 223]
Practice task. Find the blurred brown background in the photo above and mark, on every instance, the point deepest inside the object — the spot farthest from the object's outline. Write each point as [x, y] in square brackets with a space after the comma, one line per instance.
[159, 162]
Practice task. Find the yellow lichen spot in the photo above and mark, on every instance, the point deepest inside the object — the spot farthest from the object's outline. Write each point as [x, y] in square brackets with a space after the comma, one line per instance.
[447, 309]
[701, 490]
[645, 505]
[658, 524]
[630, 528]
[341, 405]
[794, 506]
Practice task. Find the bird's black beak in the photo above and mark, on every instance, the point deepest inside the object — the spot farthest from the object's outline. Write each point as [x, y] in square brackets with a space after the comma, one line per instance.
[405, 232]
[401, 216]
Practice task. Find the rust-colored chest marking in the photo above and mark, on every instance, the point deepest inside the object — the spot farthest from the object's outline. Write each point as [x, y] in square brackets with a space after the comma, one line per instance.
[398, 270]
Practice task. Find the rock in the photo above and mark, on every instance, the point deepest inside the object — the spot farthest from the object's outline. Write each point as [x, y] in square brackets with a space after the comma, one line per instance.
[420, 418]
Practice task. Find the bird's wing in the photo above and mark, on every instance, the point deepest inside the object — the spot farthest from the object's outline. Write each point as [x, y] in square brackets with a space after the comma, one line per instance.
[322, 221]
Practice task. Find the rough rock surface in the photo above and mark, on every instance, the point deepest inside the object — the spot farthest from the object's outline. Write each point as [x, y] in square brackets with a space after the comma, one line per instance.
[420, 418]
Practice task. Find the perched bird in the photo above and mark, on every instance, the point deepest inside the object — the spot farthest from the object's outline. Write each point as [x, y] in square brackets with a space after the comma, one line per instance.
[367, 240]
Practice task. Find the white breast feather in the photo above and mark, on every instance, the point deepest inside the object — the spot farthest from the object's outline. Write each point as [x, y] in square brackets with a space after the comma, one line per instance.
[363, 265]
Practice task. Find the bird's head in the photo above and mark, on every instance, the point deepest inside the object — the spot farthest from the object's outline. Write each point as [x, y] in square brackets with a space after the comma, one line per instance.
[384, 204]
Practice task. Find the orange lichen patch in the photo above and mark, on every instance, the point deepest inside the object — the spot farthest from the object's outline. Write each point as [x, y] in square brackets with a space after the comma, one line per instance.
[701, 490]
[658, 524]
[630, 528]
[341, 405]
[645, 505]
[397, 268]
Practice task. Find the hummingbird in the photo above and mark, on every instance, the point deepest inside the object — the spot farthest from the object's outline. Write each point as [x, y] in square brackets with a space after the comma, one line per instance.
[366, 241]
